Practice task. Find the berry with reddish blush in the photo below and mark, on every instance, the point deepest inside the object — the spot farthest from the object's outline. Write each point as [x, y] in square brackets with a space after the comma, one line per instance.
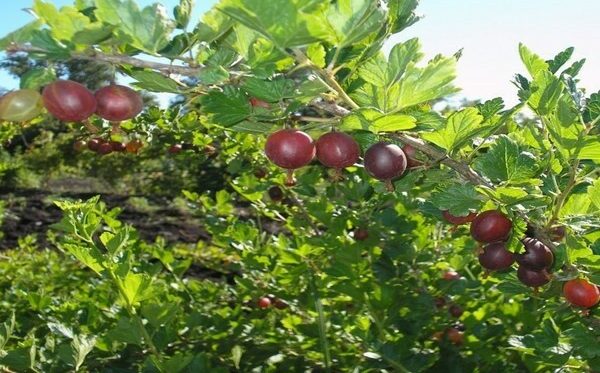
[458, 220]
[410, 153]
[385, 162]
[280, 304]
[533, 278]
[118, 146]
[79, 146]
[105, 148]
[256, 102]
[264, 302]
[69, 101]
[536, 256]
[21, 105]
[360, 234]
[275, 193]
[491, 226]
[440, 302]
[134, 146]
[94, 144]
[337, 150]
[558, 233]
[175, 148]
[455, 311]
[117, 103]
[260, 173]
[455, 336]
[581, 293]
[290, 149]
[495, 257]
[451, 276]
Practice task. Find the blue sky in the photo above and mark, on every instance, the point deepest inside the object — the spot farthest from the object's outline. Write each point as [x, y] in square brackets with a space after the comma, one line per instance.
[488, 30]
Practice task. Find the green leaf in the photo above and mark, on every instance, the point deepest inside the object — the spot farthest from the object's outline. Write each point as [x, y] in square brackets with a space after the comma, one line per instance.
[490, 108]
[86, 255]
[505, 161]
[82, 345]
[401, 56]
[126, 331]
[560, 59]
[183, 12]
[93, 34]
[37, 78]
[114, 243]
[316, 53]
[228, 107]
[375, 121]
[246, 126]
[272, 90]
[350, 21]
[64, 23]
[147, 29]
[236, 355]
[214, 25]
[594, 193]
[458, 199]
[402, 14]
[592, 107]
[460, 127]
[213, 75]
[267, 18]
[153, 81]
[534, 63]
[590, 150]
[160, 314]
[546, 91]
[21, 35]
[136, 287]
[43, 39]
[6, 331]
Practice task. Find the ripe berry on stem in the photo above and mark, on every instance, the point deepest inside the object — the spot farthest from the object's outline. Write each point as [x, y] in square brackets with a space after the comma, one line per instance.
[495, 257]
[579, 292]
[175, 148]
[491, 226]
[275, 193]
[290, 149]
[537, 255]
[264, 302]
[117, 103]
[360, 234]
[385, 162]
[410, 153]
[451, 275]
[455, 310]
[337, 150]
[533, 278]
[69, 101]
[94, 144]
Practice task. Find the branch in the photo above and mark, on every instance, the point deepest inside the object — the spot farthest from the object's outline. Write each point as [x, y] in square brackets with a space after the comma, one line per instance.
[116, 60]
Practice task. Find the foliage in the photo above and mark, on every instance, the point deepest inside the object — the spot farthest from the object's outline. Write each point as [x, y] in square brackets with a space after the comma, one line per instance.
[110, 299]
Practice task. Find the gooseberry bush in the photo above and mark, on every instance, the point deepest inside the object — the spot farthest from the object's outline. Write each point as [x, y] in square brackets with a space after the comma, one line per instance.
[363, 230]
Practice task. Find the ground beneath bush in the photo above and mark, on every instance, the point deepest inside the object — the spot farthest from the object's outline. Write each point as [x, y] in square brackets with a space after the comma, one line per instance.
[32, 212]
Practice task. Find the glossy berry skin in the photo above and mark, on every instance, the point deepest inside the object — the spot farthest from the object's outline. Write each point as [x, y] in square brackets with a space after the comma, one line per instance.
[581, 293]
[134, 146]
[537, 255]
[337, 150]
[491, 226]
[264, 302]
[275, 193]
[533, 278]
[280, 304]
[458, 220]
[455, 311]
[175, 148]
[410, 153]
[94, 144]
[260, 173]
[385, 161]
[118, 146]
[105, 148]
[455, 336]
[451, 276]
[495, 257]
[117, 103]
[69, 101]
[79, 146]
[439, 302]
[360, 234]
[21, 105]
[290, 148]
